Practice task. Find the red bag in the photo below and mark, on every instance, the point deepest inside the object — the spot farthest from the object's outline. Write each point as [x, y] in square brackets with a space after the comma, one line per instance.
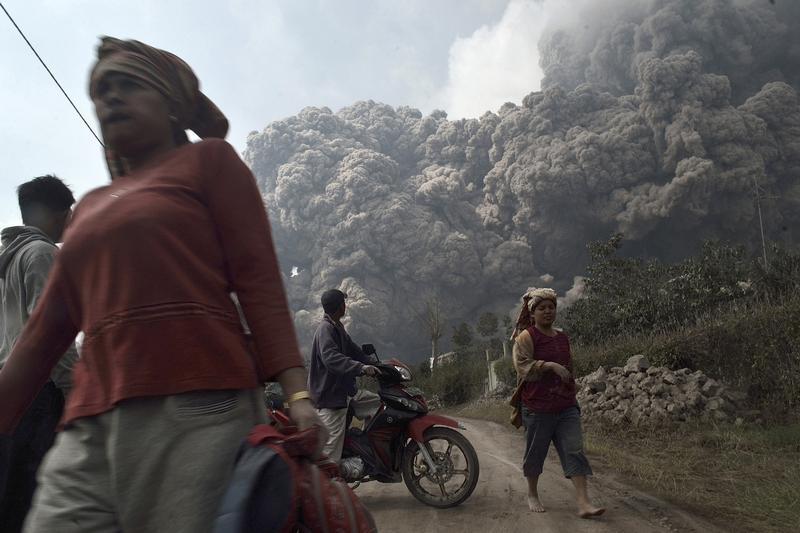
[276, 486]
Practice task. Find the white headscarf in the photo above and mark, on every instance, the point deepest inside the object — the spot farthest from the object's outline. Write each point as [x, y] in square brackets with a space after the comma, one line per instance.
[530, 300]
[535, 296]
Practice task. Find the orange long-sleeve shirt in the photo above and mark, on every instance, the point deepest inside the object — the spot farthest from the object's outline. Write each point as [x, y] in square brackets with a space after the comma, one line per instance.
[145, 272]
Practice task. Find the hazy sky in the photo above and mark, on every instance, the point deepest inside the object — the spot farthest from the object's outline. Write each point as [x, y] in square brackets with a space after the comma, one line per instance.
[259, 60]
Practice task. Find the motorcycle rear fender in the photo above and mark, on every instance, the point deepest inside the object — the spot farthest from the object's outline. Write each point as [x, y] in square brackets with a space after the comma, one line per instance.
[417, 427]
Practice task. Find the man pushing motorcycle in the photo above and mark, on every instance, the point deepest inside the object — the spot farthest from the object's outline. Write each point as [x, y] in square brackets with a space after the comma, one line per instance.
[336, 362]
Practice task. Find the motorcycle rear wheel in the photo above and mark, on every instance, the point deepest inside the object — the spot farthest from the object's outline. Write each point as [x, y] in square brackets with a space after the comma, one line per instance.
[456, 460]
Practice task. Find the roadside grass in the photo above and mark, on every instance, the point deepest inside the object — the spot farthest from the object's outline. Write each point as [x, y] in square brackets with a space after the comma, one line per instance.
[491, 410]
[747, 476]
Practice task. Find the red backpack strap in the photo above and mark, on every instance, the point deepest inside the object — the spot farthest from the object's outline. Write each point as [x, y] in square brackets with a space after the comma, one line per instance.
[263, 433]
[298, 444]
[347, 504]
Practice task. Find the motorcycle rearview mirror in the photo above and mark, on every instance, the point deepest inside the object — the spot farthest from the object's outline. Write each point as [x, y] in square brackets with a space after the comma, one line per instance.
[368, 349]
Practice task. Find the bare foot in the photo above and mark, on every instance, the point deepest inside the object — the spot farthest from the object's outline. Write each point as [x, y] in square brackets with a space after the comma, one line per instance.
[590, 510]
[535, 505]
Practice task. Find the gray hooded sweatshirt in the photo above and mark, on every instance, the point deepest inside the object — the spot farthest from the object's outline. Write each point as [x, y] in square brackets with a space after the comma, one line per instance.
[25, 260]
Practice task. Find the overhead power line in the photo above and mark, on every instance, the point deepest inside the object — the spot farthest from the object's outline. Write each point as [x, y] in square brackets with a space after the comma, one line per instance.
[51, 74]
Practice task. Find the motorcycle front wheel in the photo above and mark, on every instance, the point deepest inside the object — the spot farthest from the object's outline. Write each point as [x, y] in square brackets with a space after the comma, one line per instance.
[457, 468]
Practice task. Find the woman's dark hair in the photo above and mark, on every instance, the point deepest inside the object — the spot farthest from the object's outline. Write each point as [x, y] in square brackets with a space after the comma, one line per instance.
[47, 191]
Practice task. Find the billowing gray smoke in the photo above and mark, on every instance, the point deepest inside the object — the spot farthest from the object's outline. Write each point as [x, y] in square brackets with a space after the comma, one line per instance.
[752, 42]
[660, 123]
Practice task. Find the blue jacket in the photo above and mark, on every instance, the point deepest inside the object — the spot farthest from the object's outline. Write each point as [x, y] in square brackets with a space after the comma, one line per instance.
[336, 361]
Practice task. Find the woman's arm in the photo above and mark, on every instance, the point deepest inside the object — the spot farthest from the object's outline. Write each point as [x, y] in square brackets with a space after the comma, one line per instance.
[38, 264]
[238, 212]
[237, 209]
[301, 411]
[527, 367]
[560, 370]
[48, 333]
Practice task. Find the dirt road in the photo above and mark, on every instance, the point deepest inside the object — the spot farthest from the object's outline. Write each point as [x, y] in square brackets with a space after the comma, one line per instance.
[498, 503]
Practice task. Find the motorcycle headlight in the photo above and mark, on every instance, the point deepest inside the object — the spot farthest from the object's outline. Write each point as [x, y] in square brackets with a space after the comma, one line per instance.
[404, 372]
[411, 404]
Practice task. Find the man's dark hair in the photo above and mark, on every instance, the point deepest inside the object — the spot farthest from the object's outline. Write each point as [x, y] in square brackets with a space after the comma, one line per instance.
[332, 300]
[47, 191]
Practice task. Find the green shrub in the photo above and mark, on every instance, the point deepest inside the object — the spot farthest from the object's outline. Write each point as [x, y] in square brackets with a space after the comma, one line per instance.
[456, 382]
[587, 358]
[504, 369]
[629, 295]
[423, 369]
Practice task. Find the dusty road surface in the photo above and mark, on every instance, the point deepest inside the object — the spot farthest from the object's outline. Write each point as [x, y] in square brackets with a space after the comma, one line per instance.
[498, 503]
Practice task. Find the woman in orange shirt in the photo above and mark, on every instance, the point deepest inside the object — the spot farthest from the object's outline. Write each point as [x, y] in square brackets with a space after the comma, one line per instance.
[166, 387]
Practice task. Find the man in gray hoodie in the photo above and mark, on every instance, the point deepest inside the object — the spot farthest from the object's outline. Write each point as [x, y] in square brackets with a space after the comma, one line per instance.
[26, 256]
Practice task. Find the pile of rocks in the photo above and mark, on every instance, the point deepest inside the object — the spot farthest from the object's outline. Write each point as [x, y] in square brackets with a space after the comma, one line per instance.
[640, 394]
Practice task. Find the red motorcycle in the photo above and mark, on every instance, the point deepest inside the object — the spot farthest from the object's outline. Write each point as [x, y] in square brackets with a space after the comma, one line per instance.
[402, 441]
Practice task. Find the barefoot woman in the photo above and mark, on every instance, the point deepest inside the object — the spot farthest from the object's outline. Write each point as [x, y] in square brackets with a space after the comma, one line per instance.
[549, 408]
[166, 387]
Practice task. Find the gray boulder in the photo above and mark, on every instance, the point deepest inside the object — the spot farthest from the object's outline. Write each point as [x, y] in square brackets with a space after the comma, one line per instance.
[711, 387]
[637, 363]
[597, 380]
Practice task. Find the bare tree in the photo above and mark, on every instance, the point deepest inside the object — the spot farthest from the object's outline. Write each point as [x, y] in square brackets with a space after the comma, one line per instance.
[757, 192]
[434, 322]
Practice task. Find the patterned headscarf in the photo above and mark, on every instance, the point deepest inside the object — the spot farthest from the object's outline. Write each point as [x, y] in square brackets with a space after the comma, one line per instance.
[170, 76]
[530, 300]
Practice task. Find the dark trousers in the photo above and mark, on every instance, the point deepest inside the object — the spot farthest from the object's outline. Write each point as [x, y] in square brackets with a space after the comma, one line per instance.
[562, 429]
[29, 443]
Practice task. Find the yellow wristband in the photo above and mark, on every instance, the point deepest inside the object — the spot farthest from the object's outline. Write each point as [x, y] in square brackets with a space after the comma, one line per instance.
[301, 395]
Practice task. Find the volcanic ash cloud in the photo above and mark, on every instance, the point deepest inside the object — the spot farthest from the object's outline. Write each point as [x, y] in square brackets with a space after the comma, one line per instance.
[659, 121]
